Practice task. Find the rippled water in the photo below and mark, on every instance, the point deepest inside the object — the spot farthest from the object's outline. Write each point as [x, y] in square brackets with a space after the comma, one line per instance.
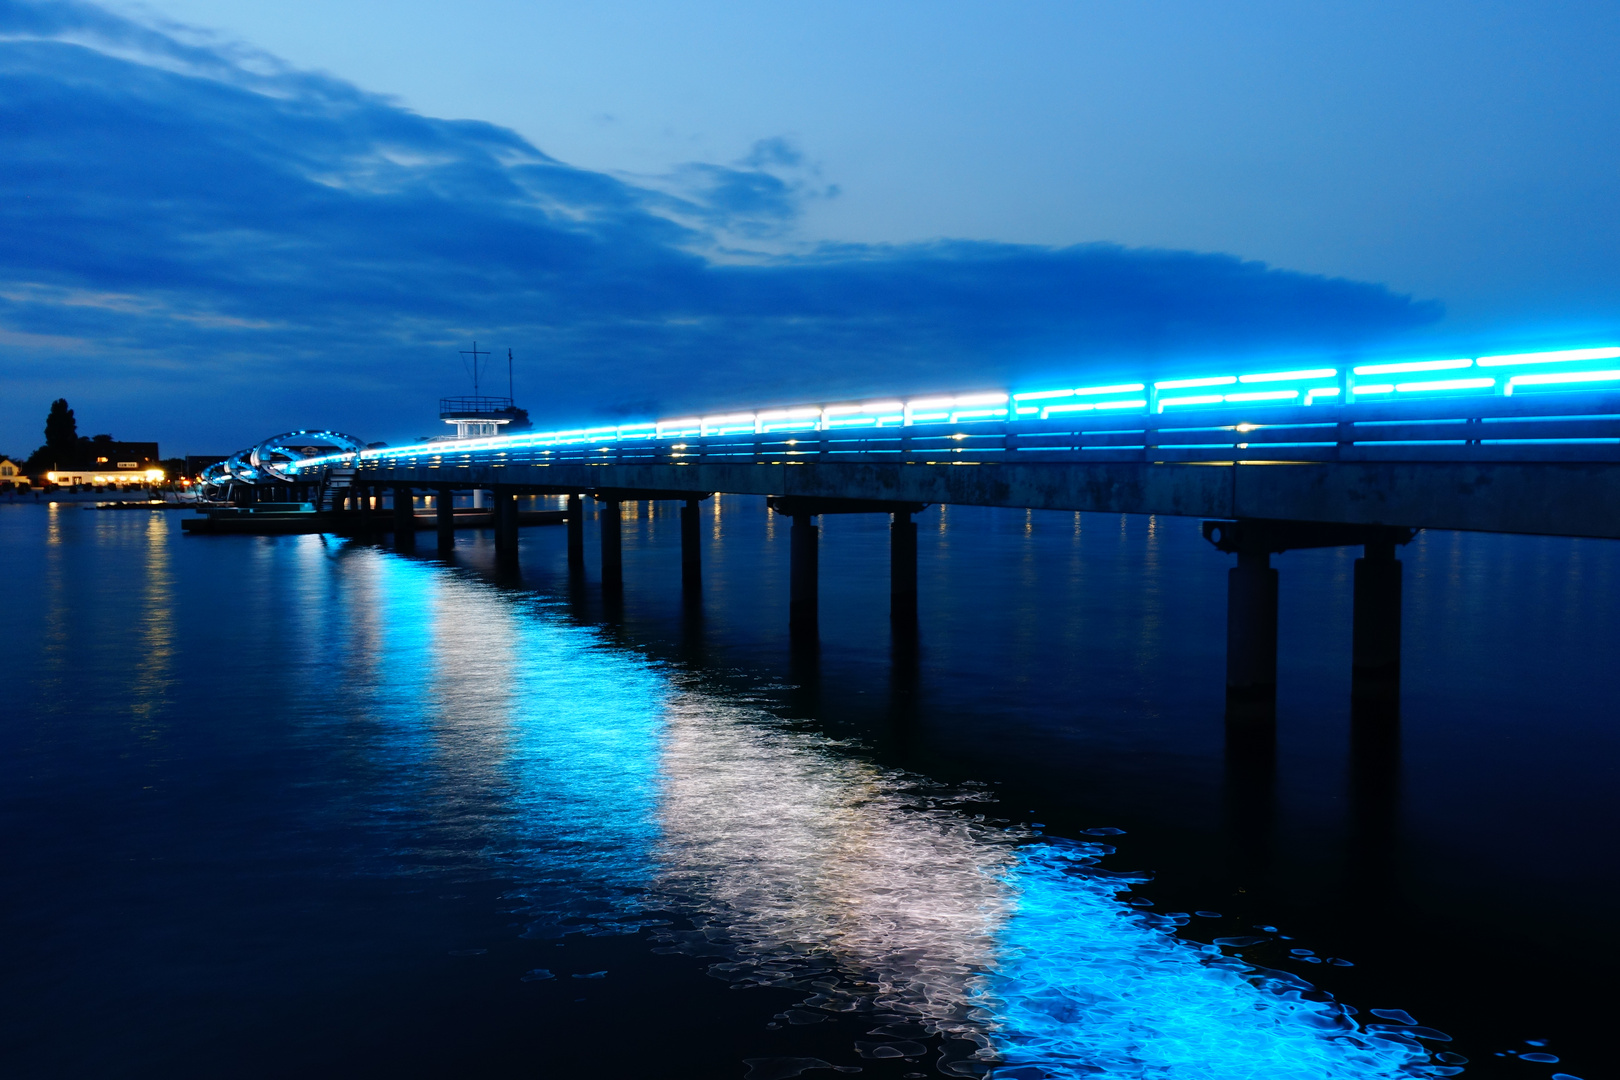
[300, 803]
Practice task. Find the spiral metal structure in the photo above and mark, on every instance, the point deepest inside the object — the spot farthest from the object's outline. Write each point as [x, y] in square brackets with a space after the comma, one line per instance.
[271, 461]
[271, 458]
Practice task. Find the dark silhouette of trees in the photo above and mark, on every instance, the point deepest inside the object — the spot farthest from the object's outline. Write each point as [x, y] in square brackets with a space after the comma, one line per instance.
[61, 429]
[64, 446]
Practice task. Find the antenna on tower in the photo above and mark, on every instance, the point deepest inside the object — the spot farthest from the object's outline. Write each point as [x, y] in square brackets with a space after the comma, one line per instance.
[509, 375]
[475, 353]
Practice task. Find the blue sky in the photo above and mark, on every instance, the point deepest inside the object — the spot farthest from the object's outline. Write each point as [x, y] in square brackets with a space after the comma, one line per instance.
[226, 219]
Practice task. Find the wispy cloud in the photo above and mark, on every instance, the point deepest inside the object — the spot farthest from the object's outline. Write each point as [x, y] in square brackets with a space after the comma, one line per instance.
[167, 198]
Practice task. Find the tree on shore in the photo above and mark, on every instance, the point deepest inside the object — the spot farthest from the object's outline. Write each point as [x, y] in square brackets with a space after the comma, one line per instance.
[61, 429]
[62, 442]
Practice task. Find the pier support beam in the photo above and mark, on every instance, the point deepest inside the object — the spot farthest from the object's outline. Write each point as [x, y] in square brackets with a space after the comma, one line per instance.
[445, 517]
[404, 518]
[576, 533]
[511, 522]
[362, 506]
[610, 500]
[802, 599]
[612, 555]
[1375, 650]
[803, 578]
[1251, 606]
[902, 570]
[1251, 636]
[691, 555]
[505, 522]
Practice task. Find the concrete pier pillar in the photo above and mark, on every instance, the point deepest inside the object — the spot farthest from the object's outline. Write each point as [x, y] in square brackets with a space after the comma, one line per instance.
[612, 556]
[404, 518]
[445, 518]
[480, 498]
[362, 505]
[511, 521]
[803, 577]
[1375, 636]
[902, 569]
[691, 556]
[497, 523]
[576, 533]
[504, 507]
[1251, 636]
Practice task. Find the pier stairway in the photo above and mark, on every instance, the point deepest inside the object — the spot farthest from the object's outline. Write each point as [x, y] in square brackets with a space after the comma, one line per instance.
[335, 484]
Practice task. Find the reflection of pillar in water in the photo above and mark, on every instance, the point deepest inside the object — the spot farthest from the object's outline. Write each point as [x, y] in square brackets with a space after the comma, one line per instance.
[1375, 798]
[607, 520]
[445, 519]
[691, 556]
[1250, 798]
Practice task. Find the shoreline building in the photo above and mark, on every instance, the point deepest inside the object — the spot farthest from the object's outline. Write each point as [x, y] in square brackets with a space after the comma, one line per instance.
[103, 462]
[12, 475]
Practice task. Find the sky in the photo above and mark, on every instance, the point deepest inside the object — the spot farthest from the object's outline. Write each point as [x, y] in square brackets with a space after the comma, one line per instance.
[227, 219]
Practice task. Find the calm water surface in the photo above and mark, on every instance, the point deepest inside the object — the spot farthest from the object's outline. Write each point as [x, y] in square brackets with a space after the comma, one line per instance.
[300, 804]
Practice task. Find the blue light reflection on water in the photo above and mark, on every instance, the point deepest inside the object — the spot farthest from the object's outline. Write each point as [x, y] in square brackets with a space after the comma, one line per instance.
[627, 795]
[1085, 986]
[612, 791]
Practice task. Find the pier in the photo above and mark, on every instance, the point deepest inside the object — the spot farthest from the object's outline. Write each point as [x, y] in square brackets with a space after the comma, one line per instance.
[1316, 458]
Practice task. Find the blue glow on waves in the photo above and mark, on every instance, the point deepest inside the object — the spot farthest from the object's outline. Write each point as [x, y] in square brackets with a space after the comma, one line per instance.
[619, 794]
[1086, 986]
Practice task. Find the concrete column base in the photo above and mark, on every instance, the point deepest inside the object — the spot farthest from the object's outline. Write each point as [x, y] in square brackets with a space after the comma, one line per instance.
[691, 554]
[1251, 638]
[903, 570]
[803, 578]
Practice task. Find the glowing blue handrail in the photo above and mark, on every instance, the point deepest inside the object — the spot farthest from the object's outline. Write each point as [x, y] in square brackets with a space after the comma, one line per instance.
[1263, 389]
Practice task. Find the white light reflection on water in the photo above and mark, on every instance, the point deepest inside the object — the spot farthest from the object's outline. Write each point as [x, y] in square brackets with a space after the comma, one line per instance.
[631, 794]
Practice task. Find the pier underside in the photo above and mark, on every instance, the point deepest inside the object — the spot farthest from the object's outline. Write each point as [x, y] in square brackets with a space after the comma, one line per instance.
[1560, 499]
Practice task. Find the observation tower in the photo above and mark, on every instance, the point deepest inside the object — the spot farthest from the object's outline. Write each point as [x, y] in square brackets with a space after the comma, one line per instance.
[477, 417]
[481, 416]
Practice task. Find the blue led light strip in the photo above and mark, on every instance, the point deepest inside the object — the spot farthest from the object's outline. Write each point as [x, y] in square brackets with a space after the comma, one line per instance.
[1588, 368]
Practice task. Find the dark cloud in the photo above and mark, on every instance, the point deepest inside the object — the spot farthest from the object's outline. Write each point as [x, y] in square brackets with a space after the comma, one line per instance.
[187, 218]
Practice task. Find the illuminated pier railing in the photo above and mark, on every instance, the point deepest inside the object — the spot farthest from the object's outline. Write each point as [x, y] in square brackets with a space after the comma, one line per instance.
[1542, 406]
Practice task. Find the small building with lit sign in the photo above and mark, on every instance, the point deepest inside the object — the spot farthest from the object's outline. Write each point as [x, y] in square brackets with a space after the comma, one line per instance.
[103, 462]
